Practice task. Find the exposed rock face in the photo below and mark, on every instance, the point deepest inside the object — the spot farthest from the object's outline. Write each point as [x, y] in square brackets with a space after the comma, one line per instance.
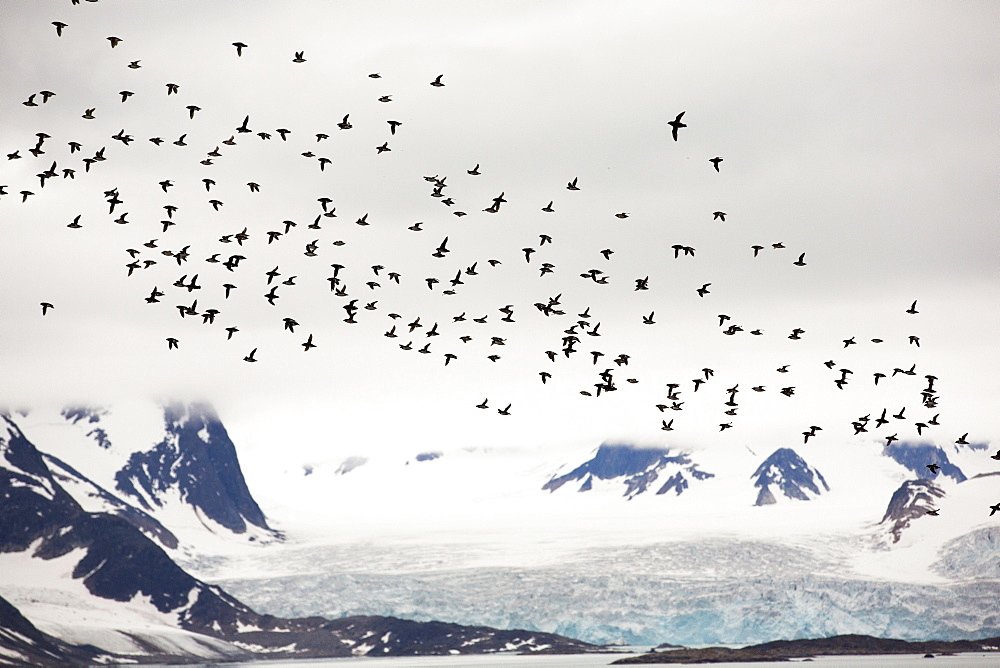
[912, 500]
[790, 474]
[916, 457]
[197, 459]
[637, 468]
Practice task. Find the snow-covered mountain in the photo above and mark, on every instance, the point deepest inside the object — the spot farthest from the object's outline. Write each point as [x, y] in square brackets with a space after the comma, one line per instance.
[156, 466]
[85, 587]
[916, 456]
[789, 474]
[911, 501]
[636, 469]
[568, 539]
[577, 541]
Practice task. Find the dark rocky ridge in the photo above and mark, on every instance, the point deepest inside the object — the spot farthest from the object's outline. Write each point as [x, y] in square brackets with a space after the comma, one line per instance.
[911, 501]
[842, 645]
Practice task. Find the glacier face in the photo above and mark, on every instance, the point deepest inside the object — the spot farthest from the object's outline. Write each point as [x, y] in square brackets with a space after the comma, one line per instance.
[692, 593]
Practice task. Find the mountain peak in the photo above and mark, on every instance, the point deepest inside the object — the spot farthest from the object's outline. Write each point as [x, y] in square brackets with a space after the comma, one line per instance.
[198, 460]
[912, 500]
[637, 468]
[787, 471]
[916, 457]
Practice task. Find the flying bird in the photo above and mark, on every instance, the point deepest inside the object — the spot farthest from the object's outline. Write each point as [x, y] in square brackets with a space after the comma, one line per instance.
[676, 125]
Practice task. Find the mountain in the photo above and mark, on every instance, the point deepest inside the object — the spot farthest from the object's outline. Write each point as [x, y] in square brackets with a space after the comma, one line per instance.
[170, 470]
[707, 567]
[790, 474]
[916, 457]
[910, 502]
[109, 567]
[21, 644]
[637, 469]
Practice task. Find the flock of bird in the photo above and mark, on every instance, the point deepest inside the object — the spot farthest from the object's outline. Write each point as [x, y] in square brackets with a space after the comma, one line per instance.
[360, 300]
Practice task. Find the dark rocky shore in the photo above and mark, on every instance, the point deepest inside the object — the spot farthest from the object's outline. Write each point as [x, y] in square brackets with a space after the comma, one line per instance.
[782, 650]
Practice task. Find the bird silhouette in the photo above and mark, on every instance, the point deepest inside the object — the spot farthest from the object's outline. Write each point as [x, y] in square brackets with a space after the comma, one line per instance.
[676, 125]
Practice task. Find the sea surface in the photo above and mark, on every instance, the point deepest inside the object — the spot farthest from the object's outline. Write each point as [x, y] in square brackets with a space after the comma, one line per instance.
[968, 660]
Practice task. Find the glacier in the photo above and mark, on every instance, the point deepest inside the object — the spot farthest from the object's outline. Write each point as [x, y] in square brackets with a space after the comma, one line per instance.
[712, 591]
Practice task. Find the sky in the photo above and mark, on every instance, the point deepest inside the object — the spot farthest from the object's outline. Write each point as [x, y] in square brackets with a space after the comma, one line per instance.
[861, 134]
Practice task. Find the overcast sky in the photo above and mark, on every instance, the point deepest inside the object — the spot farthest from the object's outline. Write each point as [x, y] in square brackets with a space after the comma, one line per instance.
[862, 134]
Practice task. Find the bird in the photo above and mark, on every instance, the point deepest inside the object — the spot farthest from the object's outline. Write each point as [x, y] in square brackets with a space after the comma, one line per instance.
[395, 124]
[299, 57]
[994, 509]
[308, 344]
[171, 343]
[913, 308]
[250, 357]
[239, 48]
[715, 162]
[703, 290]
[676, 125]
[45, 307]
[801, 261]
[933, 468]
[437, 81]
[59, 27]
[115, 41]
[504, 411]
[474, 171]
[570, 186]
[933, 511]
[719, 215]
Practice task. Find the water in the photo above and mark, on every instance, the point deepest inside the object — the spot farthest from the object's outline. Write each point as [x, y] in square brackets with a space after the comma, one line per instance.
[969, 660]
